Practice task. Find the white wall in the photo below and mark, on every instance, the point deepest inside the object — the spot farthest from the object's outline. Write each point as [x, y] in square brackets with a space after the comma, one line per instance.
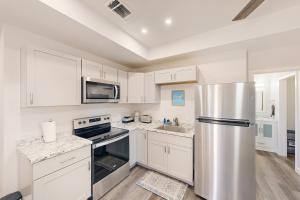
[20, 123]
[1, 106]
[291, 103]
[277, 59]
[165, 109]
[213, 67]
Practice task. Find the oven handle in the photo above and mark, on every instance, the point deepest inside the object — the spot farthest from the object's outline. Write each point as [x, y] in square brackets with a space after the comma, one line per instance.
[95, 146]
[117, 92]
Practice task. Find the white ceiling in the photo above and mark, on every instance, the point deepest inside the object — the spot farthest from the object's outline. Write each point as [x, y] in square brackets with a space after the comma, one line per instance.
[202, 25]
[190, 17]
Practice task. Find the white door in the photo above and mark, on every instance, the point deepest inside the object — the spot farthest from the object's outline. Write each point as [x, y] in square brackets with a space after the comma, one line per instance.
[70, 183]
[164, 76]
[136, 87]
[282, 118]
[152, 92]
[109, 73]
[123, 80]
[141, 146]
[157, 155]
[91, 69]
[185, 74]
[53, 79]
[180, 162]
[132, 148]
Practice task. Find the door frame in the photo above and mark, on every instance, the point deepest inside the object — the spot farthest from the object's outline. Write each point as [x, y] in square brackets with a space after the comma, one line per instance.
[295, 70]
[282, 115]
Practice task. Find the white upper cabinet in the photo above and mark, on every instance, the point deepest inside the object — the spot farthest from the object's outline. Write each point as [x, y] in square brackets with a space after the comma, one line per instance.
[164, 76]
[142, 88]
[177, 75]
[185, 74]
[91, 69]
[49, 78]
[109, 73]
[136, 87]
[123, 80]
[99, 71]
[152, 91]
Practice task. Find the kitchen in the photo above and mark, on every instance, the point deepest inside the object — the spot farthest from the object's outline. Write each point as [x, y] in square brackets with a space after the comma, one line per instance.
[22, 34]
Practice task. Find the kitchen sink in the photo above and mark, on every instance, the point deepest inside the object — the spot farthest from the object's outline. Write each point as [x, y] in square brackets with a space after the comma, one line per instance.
[173, 128]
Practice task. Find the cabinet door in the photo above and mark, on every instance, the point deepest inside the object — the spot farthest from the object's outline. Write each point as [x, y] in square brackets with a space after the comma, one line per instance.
[136, 87]
[141, 146]
[185, 74]
[53, 79]
[91, 69]
[70, 183]
[123, 80]
[157, 152]
[267, 130]
[109, 73]
[132, 148]
[184, 168]
[164, 76]
[152, 92]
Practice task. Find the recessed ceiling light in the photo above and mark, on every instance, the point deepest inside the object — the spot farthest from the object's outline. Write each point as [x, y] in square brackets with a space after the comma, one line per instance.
[144, 30]
[168, 21]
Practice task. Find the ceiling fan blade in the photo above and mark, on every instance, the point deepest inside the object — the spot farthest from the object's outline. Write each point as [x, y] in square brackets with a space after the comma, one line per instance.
[248, 9]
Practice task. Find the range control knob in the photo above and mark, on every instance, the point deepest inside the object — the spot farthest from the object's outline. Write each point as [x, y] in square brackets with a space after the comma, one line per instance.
[79, 122]
[84, 122]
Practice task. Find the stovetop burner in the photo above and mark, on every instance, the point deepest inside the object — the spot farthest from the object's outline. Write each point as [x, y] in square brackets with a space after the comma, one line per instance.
[114, 132]
[96, 129]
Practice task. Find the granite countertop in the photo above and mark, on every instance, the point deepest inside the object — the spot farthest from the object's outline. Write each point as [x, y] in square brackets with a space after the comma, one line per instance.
[152, 127]
[36, 150]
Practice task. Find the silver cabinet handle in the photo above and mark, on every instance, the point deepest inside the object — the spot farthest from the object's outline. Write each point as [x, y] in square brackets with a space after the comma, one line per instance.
[145, 136]
[175, 77]
[165, 149]
[31, 98]
[89, 165]
[169, 150]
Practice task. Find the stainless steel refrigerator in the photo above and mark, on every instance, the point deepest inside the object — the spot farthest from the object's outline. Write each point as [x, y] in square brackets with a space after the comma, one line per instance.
[225, 141]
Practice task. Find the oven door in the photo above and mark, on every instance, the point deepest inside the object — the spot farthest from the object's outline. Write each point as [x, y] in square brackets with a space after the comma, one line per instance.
[109, 156]
[99, 91]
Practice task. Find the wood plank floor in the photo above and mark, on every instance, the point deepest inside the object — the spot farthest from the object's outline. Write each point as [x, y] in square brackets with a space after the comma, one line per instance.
[275, 178]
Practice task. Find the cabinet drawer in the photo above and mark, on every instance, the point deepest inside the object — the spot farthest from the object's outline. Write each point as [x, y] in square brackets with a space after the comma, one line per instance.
[171, 139]
[53, 164]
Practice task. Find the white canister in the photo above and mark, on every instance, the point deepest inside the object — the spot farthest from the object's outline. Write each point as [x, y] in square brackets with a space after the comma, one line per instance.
[49, 131]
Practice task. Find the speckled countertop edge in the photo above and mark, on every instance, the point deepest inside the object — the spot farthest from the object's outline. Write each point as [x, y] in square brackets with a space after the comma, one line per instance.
[152, 127]
[35, 150]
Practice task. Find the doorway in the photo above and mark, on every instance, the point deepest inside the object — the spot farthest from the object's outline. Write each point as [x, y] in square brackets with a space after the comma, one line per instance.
[276, 113]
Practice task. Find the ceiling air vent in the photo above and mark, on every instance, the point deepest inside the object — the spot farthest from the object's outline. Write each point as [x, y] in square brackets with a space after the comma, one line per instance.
[119, 8]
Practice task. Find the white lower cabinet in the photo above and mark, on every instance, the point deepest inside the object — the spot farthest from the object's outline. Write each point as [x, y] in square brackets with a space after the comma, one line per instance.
[172, 155]
[132, 148]
[180, 160]
[63, 177]
[265, 135]
[141, 146]
[72, 182]
[157, 155]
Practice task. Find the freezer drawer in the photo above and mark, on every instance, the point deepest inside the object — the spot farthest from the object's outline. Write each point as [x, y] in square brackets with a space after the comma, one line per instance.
[225, 162]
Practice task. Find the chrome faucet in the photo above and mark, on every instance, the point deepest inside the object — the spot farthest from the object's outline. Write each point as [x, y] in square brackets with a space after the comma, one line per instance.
[176, 122]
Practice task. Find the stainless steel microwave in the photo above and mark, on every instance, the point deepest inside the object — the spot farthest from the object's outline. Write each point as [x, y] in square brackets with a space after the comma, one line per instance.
[99, 91]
